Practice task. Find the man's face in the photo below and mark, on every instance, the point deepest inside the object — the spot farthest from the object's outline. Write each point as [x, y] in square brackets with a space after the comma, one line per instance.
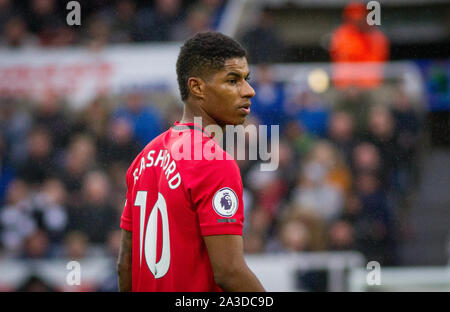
[227, 93]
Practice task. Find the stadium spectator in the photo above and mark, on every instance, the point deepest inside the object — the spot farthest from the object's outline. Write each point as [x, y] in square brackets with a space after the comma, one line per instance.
[6, 11]
[16, 222]
[288, 166]
[48, 206]
[312, 220]
[113, 243]
[407, 129]
[293, 236]
[120, 145]
[98, 33]
[7, 172]
[341, 133]
[47, 21]
[341, 236]
[37, 246]
[93, 214]
[267, 188]
[260, 221]
[262, 41]
[267, 105]
[301, 140]
[39, 162]
[245, 163]
[352, 208]
[15, 123]
[80, 157]
[49, 113]
[270, 188]
[110, 283]
[315, 193]
[160, 23]
[338, 173]
[375, 225]
[33, 213]
[76, 246]
[214, 9]
[116, 172]
[354, 42]
[94, 120]
[310, 110]
[254, 242]
[366, 157]
[197, 20]
[357, 104]
[382, 134]
[146, 121]
[122, 21]
[15, 34]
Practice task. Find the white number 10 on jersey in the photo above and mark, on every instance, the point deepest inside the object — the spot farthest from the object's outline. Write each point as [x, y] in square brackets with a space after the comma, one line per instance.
[149, 242]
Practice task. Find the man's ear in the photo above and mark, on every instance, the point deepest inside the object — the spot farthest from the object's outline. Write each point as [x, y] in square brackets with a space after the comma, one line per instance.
[196, 87]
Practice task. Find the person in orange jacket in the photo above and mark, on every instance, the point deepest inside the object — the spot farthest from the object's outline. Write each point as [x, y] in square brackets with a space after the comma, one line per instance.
[355, 41]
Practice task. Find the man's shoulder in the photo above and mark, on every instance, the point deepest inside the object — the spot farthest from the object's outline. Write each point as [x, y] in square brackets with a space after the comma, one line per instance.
[207, 152]
[205, 170]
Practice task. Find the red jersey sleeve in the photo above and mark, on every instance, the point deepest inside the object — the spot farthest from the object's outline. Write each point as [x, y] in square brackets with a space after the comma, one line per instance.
[215, 188]
[126, 218]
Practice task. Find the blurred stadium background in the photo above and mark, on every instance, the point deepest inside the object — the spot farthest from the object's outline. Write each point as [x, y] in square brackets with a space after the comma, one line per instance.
[363, 111]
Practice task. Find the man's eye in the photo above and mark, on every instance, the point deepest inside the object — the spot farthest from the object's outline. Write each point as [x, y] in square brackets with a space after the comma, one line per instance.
[232, 81]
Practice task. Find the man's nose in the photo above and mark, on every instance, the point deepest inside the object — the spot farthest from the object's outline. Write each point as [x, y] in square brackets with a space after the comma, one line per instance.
[247, 90]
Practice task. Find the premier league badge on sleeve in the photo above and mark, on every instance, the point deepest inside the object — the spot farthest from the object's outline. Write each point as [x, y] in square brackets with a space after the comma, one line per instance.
[225, 202]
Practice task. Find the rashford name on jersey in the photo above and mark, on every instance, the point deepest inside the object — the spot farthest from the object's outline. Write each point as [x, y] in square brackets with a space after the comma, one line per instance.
[163, 160]
[173, 200]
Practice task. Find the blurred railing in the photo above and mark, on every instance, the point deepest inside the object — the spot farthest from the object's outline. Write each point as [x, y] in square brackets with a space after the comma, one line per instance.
[54, 273]
[345, 271]
[277, 272]
[403, 279]
[281, 272]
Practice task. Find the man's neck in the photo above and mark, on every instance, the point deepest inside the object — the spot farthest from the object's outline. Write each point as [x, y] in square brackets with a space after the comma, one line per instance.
[192, 111]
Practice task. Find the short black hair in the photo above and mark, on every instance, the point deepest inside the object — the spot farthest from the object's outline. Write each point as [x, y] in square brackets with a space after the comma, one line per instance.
[202, 53]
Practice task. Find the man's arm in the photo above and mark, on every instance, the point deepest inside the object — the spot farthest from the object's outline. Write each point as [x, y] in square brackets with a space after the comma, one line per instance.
[231, 273]
[124, 261]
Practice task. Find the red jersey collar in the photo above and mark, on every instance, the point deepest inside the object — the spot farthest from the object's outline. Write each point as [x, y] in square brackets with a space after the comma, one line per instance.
[192, 126]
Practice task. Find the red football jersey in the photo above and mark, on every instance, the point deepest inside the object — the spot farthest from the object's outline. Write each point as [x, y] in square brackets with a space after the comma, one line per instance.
[177, 193]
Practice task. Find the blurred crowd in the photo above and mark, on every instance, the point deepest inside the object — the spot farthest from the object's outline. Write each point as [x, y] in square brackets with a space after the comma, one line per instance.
[342, 183]
[43, 22]
[62, 174]
[347, 167]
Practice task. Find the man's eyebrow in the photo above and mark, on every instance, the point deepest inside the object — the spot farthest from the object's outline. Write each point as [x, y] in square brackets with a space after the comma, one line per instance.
[236, 74]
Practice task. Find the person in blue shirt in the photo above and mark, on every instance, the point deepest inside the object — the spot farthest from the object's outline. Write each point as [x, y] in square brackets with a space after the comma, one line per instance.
[267, 105]
[309, 110]
[145, 119]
